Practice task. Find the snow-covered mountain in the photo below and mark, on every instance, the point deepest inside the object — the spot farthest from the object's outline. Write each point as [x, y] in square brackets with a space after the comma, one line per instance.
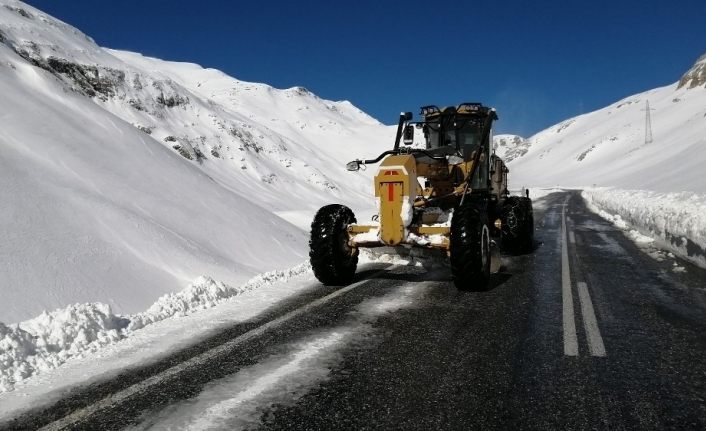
[125, 177]
[608, 147]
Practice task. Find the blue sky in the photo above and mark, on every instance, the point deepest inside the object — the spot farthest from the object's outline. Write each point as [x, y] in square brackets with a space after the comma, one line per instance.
[538, 62]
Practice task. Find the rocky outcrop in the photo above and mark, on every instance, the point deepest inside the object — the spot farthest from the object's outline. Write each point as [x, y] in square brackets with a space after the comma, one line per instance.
[696, 76]
[510, 147]
[91, 80]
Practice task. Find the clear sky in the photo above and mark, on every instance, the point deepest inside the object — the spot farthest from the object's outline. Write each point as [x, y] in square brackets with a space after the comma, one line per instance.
[538, 62]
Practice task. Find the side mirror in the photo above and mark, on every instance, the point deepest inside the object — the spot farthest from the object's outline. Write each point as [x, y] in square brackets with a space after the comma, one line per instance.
[408, 135]
[353, 166]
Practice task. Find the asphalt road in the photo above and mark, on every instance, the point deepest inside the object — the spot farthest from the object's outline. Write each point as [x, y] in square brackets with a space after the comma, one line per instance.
[586, 332]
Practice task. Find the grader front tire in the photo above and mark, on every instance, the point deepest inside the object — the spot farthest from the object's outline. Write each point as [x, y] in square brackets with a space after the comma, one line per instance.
[332, 259]
[470, 247]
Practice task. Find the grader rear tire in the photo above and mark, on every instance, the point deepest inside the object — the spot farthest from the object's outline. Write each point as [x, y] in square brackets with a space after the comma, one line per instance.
[517, 225]
[332, 259]
[470, 247]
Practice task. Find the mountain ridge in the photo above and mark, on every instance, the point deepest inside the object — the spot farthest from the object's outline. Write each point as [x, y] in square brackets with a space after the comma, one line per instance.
[610, 146]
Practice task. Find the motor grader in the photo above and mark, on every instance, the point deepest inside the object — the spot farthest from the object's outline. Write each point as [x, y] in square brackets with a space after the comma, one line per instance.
[448, 193]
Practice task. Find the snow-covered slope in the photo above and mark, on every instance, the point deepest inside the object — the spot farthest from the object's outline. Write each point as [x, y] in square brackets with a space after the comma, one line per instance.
[125, 177]
[608, 147]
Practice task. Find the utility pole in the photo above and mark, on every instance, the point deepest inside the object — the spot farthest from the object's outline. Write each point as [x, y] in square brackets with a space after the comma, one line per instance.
[648, 122]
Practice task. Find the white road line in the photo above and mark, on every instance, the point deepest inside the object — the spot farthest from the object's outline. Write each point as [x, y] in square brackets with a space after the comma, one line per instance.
[572, 237]
[593, 334]
[571, 346]
[67, 422]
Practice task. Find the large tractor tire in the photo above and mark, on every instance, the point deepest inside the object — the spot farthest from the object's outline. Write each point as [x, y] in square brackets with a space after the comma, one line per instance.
[333, 260]
[517, 225]
[470, 247]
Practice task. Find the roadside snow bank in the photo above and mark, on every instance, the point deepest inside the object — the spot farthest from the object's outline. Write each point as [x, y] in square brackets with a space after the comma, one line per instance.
[676, 221]
[206, 292]
[47, 341]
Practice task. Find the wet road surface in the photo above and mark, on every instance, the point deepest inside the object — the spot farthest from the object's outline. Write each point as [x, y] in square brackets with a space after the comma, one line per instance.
[586, 332]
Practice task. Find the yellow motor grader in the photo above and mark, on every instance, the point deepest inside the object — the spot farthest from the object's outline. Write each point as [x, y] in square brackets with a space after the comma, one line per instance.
[449, 193]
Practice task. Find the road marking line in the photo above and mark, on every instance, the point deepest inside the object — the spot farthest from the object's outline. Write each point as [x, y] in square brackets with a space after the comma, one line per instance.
[590, 324]
[572, 237]
[68, 421]
[571, 345]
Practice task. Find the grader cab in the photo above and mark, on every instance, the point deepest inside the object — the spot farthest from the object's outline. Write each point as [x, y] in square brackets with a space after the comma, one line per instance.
[450, 193]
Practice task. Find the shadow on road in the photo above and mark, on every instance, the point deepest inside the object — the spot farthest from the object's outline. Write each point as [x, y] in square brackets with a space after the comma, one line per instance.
[498, 279]
[417, 277]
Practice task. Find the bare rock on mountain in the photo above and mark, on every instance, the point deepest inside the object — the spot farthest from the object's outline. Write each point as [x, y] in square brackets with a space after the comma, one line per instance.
[696, 76]
[510, 147]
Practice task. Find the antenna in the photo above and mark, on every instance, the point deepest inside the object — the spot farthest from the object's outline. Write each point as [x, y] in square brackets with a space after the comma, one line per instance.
[648, 122]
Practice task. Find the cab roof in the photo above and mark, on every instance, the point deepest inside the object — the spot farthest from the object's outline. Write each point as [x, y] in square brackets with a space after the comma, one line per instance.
[475, 108]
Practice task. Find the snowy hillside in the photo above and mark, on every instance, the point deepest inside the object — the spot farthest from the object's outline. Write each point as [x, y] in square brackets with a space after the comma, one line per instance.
[125, 177]
[653, 188]
[608, 147]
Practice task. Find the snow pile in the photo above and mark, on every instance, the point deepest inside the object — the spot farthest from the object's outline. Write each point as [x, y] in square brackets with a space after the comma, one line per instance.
[639, 238]
[676, 221]
[616, 219]
[206, 292]
[47, 341]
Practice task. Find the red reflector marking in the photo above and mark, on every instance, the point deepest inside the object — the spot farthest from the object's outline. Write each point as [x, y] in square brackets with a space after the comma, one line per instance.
[391, 173]
[390, 192]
